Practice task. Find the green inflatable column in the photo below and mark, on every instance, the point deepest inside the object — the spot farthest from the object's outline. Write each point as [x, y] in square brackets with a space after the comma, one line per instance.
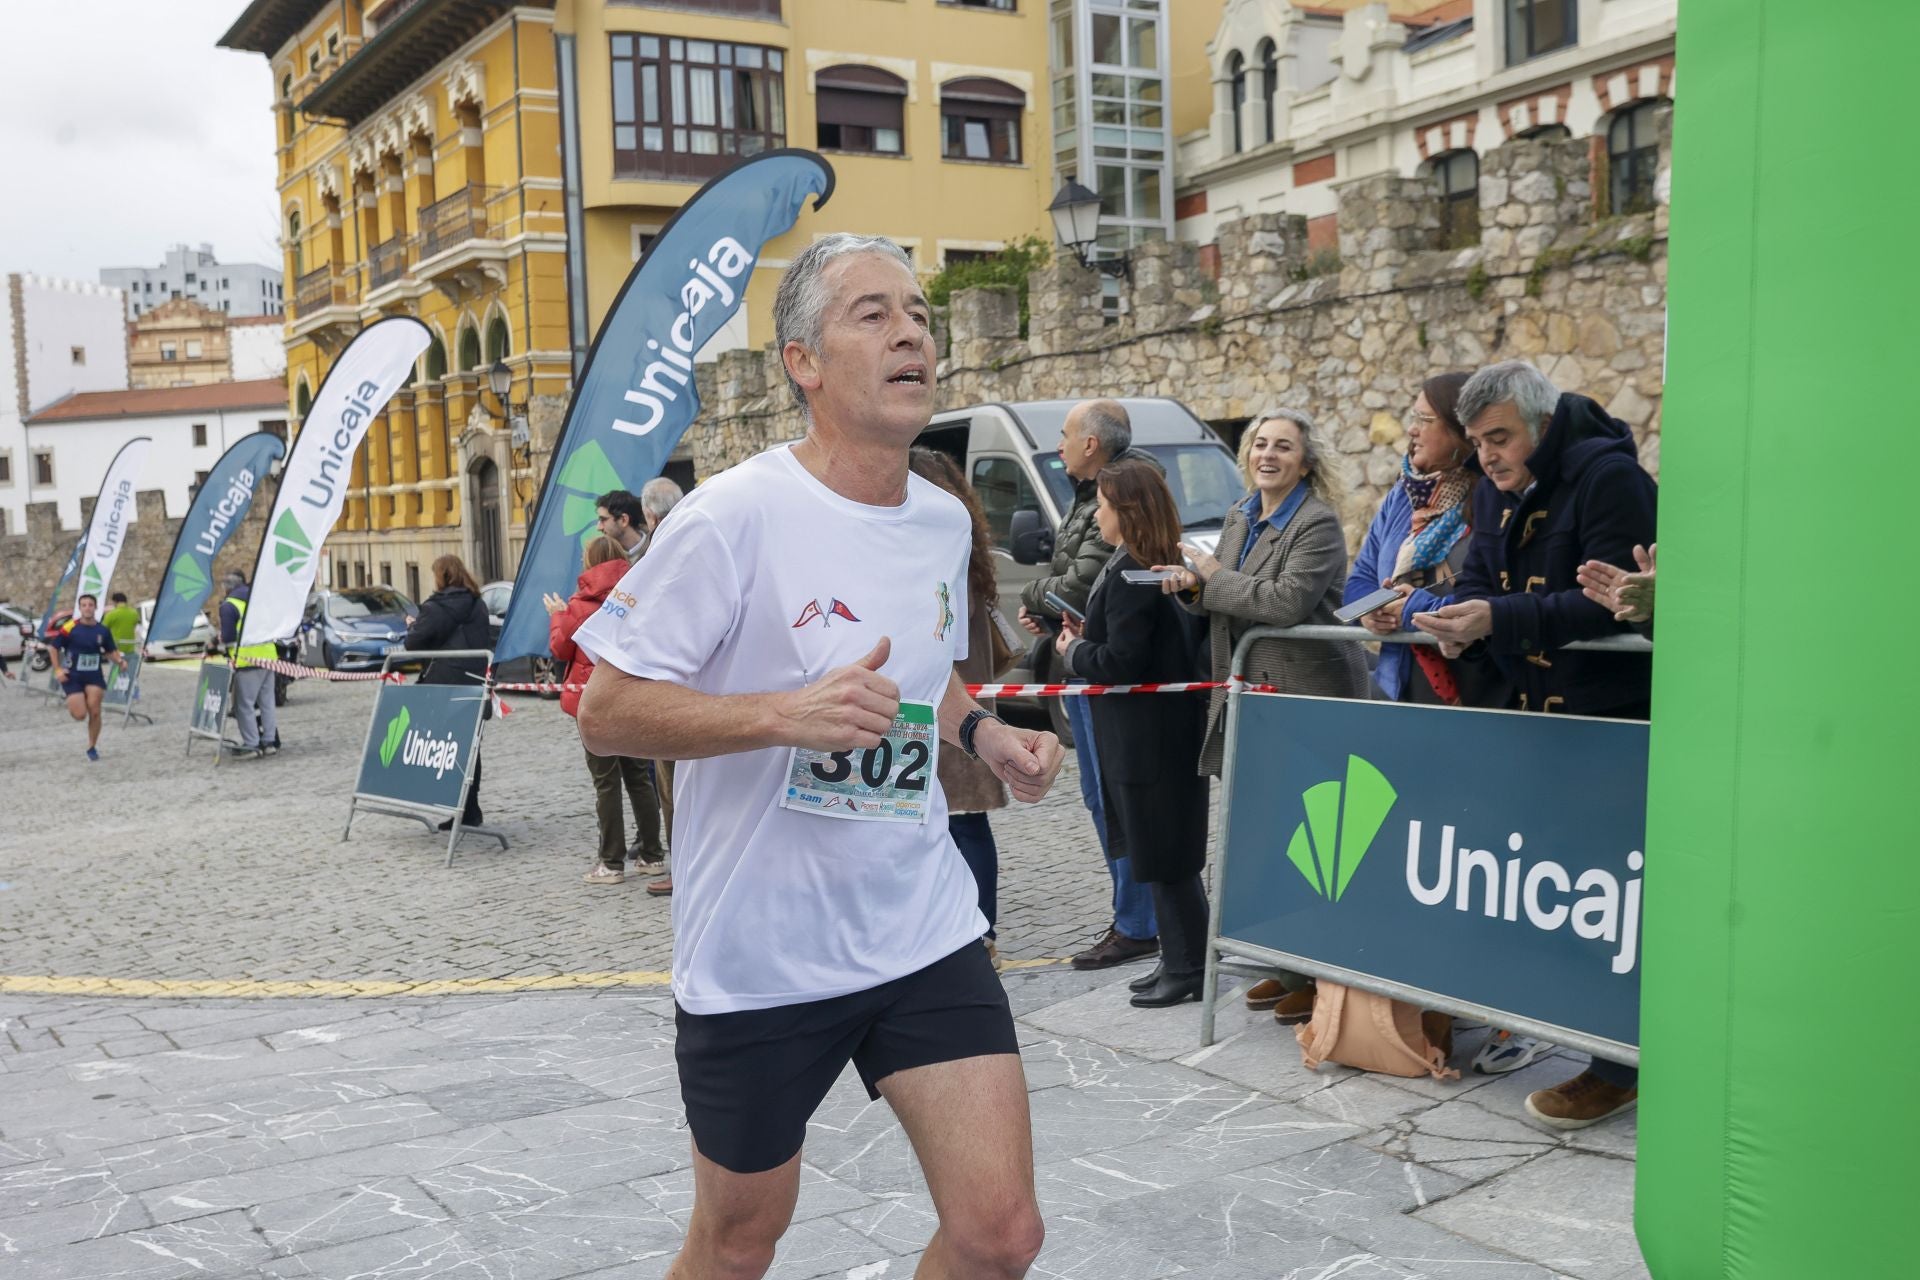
[1779, 1029]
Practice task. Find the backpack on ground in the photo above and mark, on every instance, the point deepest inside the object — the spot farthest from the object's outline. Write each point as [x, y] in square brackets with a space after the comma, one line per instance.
[1371, 1032]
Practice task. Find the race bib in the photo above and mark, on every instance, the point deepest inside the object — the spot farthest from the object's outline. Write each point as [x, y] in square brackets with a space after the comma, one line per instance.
[86, 662]
[892, 782]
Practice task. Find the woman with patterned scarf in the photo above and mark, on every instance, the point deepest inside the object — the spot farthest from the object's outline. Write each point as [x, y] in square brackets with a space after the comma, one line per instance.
[1416, 545]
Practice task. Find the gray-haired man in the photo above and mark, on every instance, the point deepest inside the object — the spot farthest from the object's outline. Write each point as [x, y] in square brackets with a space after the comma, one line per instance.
[830, 575]
[1095, 433]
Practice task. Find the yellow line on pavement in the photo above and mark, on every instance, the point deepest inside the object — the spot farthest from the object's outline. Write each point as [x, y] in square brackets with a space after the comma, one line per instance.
[264, 989]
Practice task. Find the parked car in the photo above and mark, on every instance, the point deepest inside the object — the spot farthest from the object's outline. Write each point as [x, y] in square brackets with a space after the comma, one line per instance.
[353, 629]
[43, 658]
[1010, 452]
[199, 638]
[541, 668]
[16, 625]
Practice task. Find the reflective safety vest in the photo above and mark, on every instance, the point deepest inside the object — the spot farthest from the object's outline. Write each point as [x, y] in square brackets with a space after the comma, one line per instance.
[268, 650]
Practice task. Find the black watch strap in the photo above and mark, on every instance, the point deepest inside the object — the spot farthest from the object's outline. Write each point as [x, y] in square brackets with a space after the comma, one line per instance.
[971, 725]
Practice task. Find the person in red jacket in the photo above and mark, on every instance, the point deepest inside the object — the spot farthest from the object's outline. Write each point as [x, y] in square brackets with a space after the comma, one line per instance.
[605, 565]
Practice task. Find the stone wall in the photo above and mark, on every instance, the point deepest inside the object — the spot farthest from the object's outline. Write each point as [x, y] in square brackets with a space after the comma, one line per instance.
[30, 562]
[1582, 296]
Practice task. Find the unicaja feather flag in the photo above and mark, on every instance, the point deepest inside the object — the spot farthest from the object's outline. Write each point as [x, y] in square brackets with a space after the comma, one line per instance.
[215, 516]
[113, 511]
[636, 394]
[313, 487]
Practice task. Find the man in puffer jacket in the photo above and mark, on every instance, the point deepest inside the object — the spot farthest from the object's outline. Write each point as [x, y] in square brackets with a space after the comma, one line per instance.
[1096, 432]
[605, 565]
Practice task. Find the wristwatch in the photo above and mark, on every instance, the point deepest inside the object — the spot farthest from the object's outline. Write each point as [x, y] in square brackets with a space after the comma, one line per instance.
[971, 725]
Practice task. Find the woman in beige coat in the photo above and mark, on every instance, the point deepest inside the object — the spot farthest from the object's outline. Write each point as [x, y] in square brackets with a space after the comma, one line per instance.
[1281, 561]
[971, 789]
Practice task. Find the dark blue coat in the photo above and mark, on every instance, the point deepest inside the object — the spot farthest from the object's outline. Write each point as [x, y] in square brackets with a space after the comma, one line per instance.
[1591, 501]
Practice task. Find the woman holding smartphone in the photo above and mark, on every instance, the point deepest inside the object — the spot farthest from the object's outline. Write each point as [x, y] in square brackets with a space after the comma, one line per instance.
[1156, 805]
[1281, 561]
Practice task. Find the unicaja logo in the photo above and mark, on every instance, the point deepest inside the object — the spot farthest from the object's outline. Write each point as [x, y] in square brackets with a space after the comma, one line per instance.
[189, 579]
[1342, 819]
[396, 730]
[90, 580]
[292, 549]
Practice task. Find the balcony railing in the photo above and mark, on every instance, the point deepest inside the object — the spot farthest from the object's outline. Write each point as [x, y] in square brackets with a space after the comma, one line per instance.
[389, 261]
[320, 288]
[460, 217]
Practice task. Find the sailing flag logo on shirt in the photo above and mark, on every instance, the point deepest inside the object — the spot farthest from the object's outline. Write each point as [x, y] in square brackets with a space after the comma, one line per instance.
[826, 614]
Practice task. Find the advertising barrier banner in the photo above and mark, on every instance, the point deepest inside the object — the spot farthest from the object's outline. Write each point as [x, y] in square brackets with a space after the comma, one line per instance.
[216, 514]
[1487, 857]
[313, 485]
[113, 511]
[207, 717]
[636, 395]
[123, 689]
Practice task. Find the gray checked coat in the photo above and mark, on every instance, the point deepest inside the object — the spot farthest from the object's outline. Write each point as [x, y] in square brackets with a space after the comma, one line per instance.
[1291, 577]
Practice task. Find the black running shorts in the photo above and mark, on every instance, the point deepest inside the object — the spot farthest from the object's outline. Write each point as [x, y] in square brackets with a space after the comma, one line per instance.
[751, 1080]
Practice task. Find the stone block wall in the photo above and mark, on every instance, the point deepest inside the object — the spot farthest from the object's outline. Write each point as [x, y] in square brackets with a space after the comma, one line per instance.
[30, 562]
[1582, 296]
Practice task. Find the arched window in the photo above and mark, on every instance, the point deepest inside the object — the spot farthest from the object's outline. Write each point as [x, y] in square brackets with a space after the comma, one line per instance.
[286, 109]
[861, 108]
[499, 342]
[1633, 154]
[302, 402]
[1237, 73]
[434, 363]
[294, 248]
[1269, 80]
[980, 120]
[1459, 176]
[469, 350]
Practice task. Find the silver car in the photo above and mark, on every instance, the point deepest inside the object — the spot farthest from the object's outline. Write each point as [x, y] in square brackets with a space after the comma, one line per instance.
[199, 637]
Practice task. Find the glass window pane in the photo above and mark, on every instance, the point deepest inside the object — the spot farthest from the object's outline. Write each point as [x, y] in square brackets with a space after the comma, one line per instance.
[1108, 86]
[1143, 43]
[1145, 115]
[623, 137]
[725, 102]
[1062, 40]
[622, 97]
[650, 93]
[1106, 40]
[1146, 192]
[976, 140]
[623, 46]
[705, 142]
[1146, 90]
[777, 101]
[746, 55]
[725, 52]
[649, 46]
[653, 139]
[774, 59]
[1110, 138]
[1109, 113]
[1113, 191]
[699, 51]
[704, 108]
[1006, 141]
[679, 94]
[677, 50]
[887, 140]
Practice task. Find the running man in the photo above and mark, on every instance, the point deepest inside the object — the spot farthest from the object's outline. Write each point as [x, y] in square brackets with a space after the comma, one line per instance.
[802, 615]
[80, 644]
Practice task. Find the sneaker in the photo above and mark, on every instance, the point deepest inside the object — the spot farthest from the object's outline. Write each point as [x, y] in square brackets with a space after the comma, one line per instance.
[93, 755]
[1265, 993]
[1115, 948]
[650, 865]
[1586, 1099]
[661, 888]
[1504, 1051]
[603, 874]
[272, 749]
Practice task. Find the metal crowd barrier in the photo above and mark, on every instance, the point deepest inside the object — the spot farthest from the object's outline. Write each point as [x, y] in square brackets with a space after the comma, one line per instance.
[1243, 959]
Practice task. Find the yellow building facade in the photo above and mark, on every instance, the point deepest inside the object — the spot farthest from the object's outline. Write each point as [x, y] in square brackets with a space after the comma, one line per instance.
[419, 174]
[932, 113]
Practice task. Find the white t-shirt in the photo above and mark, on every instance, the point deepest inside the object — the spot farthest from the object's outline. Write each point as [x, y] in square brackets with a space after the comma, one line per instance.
[764, 580]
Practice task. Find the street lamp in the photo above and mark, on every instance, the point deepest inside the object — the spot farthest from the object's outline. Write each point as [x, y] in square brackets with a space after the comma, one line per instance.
[500, 382]
[1076, 221]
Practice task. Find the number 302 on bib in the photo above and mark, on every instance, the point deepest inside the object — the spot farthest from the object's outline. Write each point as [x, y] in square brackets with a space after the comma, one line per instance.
[892, 782]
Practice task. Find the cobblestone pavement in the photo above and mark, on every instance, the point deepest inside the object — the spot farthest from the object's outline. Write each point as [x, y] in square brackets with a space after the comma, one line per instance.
[153, 864]
[540, 1136]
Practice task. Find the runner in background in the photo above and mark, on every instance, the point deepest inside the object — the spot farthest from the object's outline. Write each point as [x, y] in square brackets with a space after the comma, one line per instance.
[80, 644]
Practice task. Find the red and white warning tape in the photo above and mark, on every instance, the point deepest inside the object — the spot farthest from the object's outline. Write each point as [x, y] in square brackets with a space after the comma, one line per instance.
[295, 671]
[999, 690]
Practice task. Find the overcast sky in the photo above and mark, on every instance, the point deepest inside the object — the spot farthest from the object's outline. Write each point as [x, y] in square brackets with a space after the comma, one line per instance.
[124, 130]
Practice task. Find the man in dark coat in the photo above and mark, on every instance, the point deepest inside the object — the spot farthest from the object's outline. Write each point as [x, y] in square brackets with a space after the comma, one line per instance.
[1563, 486]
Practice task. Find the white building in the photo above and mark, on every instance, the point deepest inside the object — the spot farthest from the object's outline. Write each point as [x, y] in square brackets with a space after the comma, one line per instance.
[190, 428]
[257, 348]
[56, 337]
[239, 289]
[1307, 98]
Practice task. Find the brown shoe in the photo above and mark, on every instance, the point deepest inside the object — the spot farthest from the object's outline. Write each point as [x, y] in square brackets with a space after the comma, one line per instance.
[1265, 993]
[1295, 1007]
[661, 888]
[1586, 1099]
[1115, 948]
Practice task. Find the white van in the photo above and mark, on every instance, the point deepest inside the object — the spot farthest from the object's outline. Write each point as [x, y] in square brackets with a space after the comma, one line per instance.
[1011, 454]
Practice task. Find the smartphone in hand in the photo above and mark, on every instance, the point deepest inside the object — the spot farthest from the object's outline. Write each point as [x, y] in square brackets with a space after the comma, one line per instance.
[1065, 610]
[1145, 577]
[1366, 604]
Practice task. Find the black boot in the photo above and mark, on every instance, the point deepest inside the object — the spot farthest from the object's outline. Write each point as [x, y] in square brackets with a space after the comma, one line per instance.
[1146, 980]
[1182, 969]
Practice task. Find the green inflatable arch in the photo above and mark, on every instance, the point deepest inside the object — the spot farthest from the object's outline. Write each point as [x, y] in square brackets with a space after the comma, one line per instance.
[1783, 894]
